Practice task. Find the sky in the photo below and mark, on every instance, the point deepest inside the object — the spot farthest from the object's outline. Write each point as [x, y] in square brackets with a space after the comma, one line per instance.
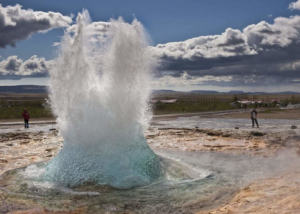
[223, 45]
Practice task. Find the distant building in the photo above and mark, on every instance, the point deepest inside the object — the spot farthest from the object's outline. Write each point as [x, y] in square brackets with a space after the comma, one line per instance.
[276, 101]
[168, 101]
[243, 101]
[163, 101]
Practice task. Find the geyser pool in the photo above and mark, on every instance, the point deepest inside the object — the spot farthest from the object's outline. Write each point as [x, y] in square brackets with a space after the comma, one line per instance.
[191, 181]
[99, 90]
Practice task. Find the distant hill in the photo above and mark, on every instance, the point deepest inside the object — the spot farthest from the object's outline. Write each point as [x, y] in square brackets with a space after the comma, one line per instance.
[205, 92]
[288, 92]
[35, 89]
[236, 92]
[163, 90]
[23, 89]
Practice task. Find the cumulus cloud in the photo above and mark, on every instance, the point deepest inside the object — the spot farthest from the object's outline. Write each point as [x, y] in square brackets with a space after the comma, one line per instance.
[186, 79]
[18, 24]
[295, 5]
[260, 54]
[14, 67]
[230, 43]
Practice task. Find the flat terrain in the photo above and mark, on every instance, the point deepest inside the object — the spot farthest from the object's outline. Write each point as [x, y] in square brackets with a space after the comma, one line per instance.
[263, 113]
[12, 104]
[200, 132]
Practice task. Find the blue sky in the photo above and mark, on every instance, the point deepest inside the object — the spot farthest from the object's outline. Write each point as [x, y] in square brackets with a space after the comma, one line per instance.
[166, 21]
[178, 20]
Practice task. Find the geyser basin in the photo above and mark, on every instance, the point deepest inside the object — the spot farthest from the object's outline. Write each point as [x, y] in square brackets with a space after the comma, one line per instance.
[99, 90]
[183, 188]
[191, 181]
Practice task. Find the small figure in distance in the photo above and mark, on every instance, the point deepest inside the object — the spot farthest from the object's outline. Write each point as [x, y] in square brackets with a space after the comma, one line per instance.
[254, 117]
[26, 118]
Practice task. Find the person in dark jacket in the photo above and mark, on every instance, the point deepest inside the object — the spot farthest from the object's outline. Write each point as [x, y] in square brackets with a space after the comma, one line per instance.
[254, 118]
[26, 118]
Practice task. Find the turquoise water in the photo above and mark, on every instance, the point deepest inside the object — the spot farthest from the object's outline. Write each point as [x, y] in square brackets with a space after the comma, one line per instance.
[191, 181]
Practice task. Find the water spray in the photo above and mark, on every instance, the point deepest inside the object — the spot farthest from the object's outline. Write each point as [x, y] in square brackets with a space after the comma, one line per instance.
[99, 93]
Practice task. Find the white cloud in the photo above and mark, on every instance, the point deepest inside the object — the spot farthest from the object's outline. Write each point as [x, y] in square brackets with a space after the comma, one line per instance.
[260, 54]
[282, 33]
[230, 43]
[14, 66]
[18, 24]
[295, 5]
[186, 79]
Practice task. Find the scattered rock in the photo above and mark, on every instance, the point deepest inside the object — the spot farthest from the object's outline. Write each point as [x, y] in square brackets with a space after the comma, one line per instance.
[214, 133]
[255, 133]
[3, 161]
[150, 136]
[24, 142]
[48, 150]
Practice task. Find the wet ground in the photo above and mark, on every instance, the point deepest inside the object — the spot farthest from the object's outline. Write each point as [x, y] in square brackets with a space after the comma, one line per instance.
[228, 170]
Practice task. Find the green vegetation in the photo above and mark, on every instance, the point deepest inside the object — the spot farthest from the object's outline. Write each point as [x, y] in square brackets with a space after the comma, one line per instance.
[205, 103]
[14, 109]
[294, 99]
[12, 105]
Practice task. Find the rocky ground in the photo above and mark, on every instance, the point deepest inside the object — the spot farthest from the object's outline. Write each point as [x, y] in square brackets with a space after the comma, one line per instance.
[250, 142]
[278, 195]
[20, 148]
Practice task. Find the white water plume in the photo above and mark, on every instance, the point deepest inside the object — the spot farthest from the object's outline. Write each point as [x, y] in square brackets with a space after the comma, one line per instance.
[100, 92]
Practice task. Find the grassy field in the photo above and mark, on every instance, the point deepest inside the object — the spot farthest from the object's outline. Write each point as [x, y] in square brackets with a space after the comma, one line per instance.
[190, 105]
[197, 102]
[12, 105]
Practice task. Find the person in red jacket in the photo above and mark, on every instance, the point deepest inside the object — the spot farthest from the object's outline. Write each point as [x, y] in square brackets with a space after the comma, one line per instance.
[26, 118]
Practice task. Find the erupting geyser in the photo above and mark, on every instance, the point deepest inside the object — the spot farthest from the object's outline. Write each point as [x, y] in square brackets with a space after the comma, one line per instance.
[99, 92]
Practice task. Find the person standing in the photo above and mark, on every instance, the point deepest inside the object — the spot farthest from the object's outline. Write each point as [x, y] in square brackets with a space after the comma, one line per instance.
[254, 117]
[26, 118]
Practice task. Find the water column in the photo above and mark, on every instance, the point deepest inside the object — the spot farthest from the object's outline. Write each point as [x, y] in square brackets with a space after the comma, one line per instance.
[99, 92]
